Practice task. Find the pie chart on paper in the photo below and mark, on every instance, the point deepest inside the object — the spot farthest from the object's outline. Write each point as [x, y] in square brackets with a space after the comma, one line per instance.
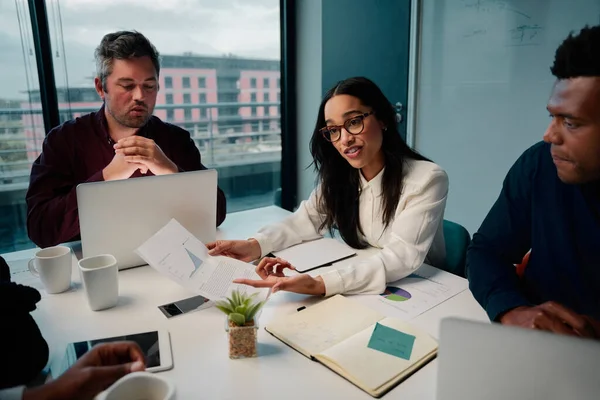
[396, 294]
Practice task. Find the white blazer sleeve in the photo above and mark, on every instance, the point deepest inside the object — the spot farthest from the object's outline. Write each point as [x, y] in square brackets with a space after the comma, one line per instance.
[302, 225]
[415, 225]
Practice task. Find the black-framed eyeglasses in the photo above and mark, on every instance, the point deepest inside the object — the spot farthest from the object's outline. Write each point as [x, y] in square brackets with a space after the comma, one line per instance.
[353, 126]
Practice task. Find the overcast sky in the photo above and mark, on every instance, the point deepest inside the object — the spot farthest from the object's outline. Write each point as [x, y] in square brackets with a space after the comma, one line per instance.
[246, 28]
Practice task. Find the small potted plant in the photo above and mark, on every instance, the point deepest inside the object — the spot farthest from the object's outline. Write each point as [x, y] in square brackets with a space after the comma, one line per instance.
[241, 324]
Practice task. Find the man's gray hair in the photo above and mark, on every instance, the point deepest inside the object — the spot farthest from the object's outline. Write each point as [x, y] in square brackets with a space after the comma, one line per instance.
[122, 45]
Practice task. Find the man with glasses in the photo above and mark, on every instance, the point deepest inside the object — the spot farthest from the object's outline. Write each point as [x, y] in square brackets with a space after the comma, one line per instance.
[122, 140]
[550, 203]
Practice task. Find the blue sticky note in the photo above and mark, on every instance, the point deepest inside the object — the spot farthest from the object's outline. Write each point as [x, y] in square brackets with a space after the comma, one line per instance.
[391, 341]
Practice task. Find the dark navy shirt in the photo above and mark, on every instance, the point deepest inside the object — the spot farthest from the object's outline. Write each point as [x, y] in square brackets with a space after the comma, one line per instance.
[559, 222]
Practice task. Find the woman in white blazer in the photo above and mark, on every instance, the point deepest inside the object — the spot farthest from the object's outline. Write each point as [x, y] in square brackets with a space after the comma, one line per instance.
[372, 189]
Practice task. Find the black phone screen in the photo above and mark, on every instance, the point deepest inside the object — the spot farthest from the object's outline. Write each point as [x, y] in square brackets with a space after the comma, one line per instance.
[183, 306]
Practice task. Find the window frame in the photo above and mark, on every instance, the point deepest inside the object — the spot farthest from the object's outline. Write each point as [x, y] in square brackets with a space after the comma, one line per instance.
[286, 83]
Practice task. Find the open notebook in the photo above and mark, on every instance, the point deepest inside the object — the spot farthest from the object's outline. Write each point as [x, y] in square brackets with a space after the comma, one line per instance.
[356, 342]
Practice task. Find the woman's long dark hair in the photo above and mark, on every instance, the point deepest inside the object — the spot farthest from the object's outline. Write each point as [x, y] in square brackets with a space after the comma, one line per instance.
[340, 182]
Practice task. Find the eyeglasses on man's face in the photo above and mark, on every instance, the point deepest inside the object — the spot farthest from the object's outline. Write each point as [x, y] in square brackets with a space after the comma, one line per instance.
[354, 126]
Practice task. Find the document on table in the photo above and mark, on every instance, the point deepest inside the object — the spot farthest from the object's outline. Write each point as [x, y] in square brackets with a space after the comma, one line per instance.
[176, 253]
[420, 291]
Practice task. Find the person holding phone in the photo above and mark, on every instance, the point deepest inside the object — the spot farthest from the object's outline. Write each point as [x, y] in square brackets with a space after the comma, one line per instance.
[372, 188]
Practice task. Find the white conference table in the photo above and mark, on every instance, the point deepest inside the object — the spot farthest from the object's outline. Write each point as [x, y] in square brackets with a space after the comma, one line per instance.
[202, 368]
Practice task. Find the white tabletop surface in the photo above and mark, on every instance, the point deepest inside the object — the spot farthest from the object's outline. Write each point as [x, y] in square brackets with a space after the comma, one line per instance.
[202, 368]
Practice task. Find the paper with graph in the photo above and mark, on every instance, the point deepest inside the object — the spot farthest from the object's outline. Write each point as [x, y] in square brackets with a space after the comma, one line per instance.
[421, 291]
[176, 253]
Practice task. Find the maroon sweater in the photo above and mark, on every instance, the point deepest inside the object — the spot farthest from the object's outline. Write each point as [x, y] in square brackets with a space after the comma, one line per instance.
[76, 152]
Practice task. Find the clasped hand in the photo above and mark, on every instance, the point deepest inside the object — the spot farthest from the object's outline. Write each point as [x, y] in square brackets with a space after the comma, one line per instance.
[144, 151]
[138, 153]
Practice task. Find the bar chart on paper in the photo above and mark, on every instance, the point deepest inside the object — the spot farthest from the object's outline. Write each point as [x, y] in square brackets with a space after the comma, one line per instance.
[421, 291]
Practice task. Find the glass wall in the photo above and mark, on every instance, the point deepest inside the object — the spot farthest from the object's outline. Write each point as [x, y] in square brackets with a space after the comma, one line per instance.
[18, 117]
[219, 79]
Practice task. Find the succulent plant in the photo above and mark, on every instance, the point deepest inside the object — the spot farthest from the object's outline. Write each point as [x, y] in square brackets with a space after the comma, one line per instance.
[240, 307]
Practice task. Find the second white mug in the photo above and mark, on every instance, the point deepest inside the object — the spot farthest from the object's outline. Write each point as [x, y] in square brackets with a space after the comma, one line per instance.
[99, 275]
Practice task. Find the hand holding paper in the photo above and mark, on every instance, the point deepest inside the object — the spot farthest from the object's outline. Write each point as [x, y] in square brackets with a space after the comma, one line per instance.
[176, 253]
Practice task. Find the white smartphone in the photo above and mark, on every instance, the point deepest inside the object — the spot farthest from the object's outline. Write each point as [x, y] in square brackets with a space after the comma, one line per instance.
[156, 346]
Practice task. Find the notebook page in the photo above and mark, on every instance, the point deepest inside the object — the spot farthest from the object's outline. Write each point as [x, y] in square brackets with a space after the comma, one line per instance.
[323, 325]
[373, 369]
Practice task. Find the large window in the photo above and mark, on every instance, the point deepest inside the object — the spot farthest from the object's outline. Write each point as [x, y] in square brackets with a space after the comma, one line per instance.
[21, 129]
[208, 50]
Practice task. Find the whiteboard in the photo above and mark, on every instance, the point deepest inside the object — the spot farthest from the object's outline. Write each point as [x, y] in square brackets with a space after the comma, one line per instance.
[482, 83]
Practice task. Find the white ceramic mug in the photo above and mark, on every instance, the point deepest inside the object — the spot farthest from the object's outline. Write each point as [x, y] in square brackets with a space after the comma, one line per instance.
[139, 386]
[53, 265]
[99, 275]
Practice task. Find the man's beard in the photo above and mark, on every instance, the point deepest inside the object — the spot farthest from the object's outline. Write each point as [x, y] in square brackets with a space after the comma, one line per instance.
[130, 121]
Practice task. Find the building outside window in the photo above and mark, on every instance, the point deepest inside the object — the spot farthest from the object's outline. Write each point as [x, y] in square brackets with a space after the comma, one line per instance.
[221, 79]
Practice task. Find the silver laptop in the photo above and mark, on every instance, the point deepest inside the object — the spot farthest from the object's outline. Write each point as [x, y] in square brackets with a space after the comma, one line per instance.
[116, 217]
[483, 361]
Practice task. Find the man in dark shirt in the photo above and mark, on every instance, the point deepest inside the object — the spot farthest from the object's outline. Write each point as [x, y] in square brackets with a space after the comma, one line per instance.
[122, 140]
[550, 204]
